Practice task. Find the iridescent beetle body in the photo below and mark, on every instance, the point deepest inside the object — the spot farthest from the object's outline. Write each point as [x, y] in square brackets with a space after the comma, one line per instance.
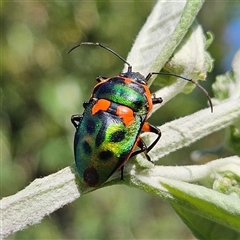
[108, 131]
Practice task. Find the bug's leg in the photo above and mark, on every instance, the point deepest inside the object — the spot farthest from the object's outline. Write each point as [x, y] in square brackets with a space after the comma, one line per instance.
[92, 100]
[143, 149]
[85, 104]
[156, 100]
[76, 119]
[100, 78]
[150, 128]
[140, 143]
[122, 168]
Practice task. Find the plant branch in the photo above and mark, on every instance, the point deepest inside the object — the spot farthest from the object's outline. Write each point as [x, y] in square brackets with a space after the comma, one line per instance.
[46, 195]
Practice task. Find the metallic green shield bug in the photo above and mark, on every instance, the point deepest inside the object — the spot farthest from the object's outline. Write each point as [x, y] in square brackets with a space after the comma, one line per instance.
[108, 131]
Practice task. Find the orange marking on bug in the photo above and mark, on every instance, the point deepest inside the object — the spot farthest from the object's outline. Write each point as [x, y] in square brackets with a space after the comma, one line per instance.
[146, 127]
[136, 143]
[128, 80]
[126, 114]
[101, 105]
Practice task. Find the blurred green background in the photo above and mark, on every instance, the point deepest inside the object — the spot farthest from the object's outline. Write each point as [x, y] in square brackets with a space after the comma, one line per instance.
[42, 87]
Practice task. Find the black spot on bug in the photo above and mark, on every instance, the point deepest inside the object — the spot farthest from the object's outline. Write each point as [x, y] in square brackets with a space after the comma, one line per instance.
[138, 104]
[103, 117]
[100, 137]
[105, 155]
[107, 119]
[118, 136]
[90, 126]
[87, 148]
[91, 177]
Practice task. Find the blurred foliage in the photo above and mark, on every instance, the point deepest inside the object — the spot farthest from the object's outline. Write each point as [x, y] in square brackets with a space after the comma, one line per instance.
[42, 87]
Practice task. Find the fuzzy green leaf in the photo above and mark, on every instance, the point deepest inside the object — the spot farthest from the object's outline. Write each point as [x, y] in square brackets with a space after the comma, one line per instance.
[204, 228]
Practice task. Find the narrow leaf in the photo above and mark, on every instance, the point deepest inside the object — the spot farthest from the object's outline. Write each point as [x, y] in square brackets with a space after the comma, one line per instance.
[161, 34]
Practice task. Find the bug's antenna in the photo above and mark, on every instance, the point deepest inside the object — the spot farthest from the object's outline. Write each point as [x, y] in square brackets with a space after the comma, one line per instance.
[187, 79]
[104, 47]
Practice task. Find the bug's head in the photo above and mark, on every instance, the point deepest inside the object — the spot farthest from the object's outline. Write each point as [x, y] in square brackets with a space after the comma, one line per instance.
[136, 76]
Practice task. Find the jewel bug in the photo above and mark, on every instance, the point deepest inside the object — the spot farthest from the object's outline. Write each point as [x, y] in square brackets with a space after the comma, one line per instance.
[108, 132]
